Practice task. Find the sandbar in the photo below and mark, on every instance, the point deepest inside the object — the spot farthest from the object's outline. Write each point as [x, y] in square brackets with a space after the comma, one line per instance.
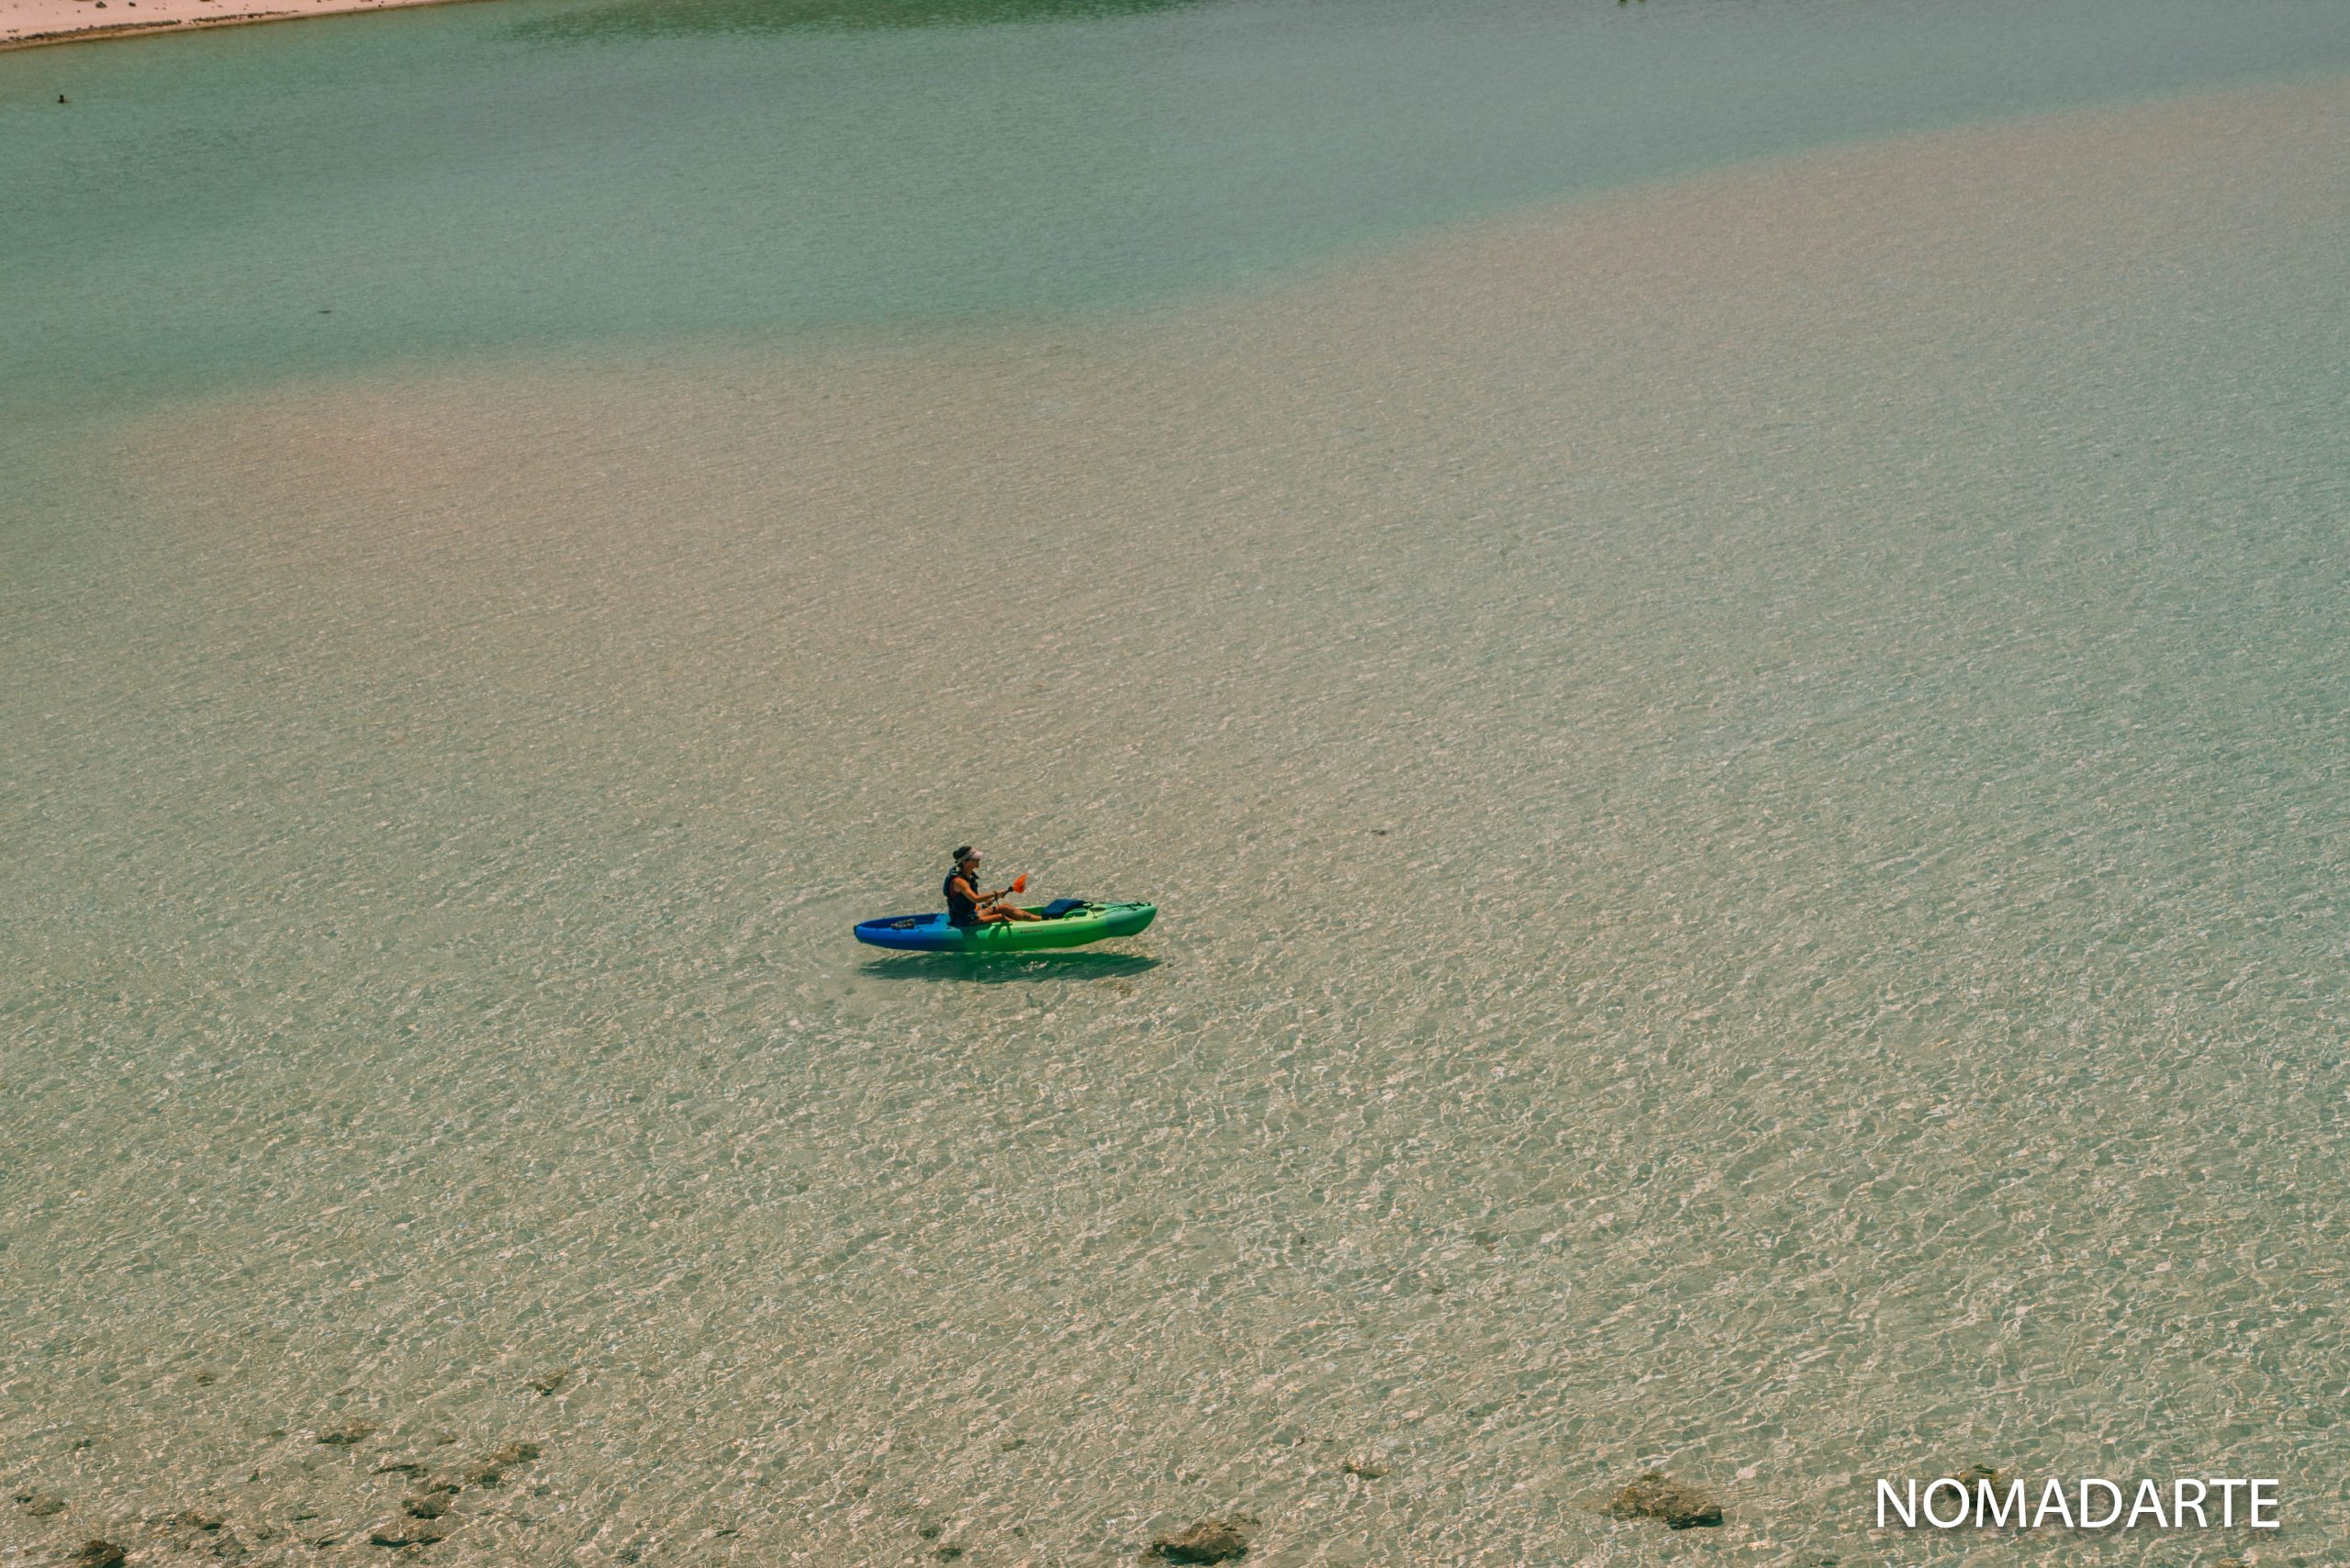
[27, 24]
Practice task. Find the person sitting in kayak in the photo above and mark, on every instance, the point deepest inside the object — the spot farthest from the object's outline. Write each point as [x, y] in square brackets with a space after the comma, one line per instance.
[965, 905]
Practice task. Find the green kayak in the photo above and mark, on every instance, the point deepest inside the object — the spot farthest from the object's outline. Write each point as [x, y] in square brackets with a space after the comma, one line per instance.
[1067, 923]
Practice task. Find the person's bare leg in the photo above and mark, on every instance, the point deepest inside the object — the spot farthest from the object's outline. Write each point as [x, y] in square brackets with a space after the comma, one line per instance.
[1013, 912]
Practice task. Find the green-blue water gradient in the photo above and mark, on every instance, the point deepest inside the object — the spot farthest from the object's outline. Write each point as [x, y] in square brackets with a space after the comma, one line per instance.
[242, 204]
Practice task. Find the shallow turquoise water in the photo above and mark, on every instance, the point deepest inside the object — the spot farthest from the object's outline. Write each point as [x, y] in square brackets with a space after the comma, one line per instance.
[1746, 783]
[474, 179]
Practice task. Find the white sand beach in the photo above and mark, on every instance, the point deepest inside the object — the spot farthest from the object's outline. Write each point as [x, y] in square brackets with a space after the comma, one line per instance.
[23, 23]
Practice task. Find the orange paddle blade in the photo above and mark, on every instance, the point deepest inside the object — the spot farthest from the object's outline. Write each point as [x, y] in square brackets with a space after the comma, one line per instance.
[1019, 883]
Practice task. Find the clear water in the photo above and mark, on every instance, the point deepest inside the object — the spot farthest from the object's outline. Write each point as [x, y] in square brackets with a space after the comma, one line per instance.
[1745, 775]
[471, 180]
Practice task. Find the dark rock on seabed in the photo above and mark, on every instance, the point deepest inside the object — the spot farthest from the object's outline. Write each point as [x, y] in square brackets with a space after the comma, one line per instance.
[406, 1532]
[99, 1554]
[1656, 1495]
[348, 1434]
[492, 1469]
[40, 1505]
[1208, 1541]
[1974, 1472]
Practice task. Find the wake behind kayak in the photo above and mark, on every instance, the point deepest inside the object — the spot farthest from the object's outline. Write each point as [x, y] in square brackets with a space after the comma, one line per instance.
[1064, 923]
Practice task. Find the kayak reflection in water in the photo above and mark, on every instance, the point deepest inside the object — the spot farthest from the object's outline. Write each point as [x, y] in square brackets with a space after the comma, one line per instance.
[965, 905]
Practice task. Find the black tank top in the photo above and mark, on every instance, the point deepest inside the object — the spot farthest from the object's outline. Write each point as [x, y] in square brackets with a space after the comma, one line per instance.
[960, 911]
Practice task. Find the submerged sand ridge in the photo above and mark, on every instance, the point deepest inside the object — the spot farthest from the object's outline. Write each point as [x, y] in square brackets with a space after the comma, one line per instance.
[1740, 779]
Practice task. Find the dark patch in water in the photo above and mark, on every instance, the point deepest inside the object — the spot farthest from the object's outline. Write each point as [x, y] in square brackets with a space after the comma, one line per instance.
[1656, 1495]
[1208, 1541]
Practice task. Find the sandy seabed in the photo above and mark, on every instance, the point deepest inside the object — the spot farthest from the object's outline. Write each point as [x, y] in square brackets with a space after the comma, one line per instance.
[1745, 781]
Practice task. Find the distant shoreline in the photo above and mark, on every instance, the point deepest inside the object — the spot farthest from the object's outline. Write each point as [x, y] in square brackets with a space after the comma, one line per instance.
[38, 24]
